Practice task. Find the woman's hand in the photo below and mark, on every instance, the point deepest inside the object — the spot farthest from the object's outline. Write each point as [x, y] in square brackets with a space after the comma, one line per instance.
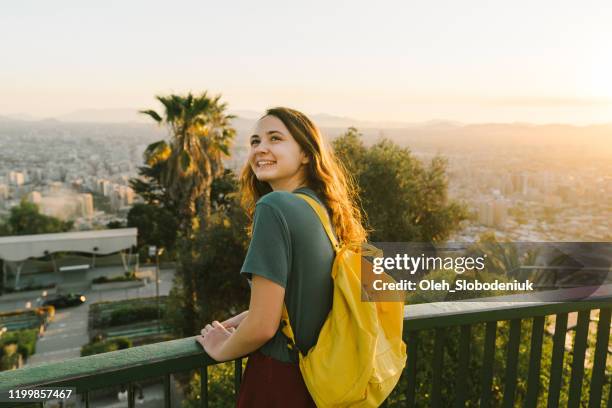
[213, 338]
[210, 326]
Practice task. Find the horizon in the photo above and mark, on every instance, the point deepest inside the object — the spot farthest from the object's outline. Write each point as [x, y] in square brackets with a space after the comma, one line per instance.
[84, 115]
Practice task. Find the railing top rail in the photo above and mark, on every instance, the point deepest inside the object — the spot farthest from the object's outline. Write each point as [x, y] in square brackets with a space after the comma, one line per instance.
[441, 314]
[133, 364]
[107, 369]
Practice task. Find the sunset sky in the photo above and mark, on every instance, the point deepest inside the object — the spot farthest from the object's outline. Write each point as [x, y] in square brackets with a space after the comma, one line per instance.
[470, 61]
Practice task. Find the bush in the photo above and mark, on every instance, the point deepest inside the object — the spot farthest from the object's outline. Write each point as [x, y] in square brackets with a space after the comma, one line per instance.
[129, 276]
[119, 343]
[100, 313]
[24, 339]
[126, 315]
[9, 357]
[220, 386]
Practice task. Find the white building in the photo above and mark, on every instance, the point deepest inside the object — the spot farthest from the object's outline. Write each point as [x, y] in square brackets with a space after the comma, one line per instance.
[86, 207]
[16, 178]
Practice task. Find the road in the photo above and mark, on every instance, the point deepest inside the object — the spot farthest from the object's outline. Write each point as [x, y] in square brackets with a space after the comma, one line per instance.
[68, 331]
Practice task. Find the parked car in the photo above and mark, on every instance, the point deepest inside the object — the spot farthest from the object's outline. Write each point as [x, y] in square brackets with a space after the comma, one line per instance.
[65, 300]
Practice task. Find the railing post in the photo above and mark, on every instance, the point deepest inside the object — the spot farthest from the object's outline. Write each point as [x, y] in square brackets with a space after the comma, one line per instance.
[167, 396]
[556, 365]
[438, 361]
[601, 354]
[488, 359]
[535, 356]
[204, 387]
[512, 363]
[580, 344]
[411, 366]
[464, 363]
[237, 376]
[131, 401]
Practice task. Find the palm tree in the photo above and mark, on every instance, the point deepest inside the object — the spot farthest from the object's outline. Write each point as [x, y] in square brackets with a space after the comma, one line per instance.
[200, 136]
[186, 164]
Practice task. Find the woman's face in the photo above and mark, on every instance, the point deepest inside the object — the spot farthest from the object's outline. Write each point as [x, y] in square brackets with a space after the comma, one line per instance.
[275, 157]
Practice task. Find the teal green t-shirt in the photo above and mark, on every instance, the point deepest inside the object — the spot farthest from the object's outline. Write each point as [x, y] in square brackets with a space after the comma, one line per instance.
[290, 247]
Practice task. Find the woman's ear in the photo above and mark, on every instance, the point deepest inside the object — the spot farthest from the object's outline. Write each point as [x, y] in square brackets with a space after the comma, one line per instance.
[305, 158]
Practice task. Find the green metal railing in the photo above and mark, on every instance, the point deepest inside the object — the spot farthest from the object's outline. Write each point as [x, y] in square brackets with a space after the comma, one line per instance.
[163, 359]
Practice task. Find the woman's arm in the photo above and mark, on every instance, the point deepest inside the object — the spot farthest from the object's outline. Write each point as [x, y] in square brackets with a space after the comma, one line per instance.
[235, 320]
[259, 325]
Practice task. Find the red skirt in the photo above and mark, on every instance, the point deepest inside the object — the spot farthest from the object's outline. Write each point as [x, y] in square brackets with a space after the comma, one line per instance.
[270, 383]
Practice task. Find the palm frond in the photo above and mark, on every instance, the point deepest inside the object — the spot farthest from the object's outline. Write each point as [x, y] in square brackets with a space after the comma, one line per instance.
[152, 114]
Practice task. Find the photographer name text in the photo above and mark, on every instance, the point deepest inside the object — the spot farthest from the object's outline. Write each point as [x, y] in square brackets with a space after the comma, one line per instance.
[455, 286]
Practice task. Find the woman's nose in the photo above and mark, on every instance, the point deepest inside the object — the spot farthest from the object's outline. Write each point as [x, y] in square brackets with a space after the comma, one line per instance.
[261, 147]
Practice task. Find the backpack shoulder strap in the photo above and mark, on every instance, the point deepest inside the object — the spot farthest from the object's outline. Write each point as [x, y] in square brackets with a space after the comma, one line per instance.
[323, 216]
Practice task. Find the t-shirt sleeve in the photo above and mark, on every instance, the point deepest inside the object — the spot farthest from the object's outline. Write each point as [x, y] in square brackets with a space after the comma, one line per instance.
[269, 252]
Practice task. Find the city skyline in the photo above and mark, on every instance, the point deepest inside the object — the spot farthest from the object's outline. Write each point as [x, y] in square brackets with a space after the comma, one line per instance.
[526, 62]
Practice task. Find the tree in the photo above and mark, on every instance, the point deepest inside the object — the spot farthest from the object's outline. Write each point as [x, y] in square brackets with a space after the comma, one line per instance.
[221, 251]
[184, 168]
[402, 199]
[156, 225]
[25, 219]
[200, 135]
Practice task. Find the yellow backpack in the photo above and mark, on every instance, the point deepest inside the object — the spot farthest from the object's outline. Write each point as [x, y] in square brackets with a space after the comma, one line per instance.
[359, 355]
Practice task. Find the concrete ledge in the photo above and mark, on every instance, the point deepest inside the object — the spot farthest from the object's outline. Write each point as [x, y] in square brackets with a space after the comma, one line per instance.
[117, 285]
[30, 294]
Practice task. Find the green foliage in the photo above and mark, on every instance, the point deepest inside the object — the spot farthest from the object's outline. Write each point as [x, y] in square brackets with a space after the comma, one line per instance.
[402, 198]
[180, 171]
[126, 315]
[24, 339]
[127, 277]
[101, 313]
[115, 225]
[156, 225]
[220, 387]
[26, 219]
[105, 346]
[223, 249]
[425, 351]
[9, 357]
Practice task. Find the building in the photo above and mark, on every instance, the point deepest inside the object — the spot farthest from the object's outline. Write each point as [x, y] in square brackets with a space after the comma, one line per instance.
[493, 213]
[15, 250]
[85, 206]
[16, 178]
[35, 197]
[4, 192]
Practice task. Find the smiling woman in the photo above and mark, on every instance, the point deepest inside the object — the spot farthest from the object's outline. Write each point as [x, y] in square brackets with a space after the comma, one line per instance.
[289, 259]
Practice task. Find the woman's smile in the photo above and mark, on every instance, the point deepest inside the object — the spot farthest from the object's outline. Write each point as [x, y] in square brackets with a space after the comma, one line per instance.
[265, 163]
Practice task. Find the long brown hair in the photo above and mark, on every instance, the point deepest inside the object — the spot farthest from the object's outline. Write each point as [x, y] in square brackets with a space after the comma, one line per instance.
[324, 174]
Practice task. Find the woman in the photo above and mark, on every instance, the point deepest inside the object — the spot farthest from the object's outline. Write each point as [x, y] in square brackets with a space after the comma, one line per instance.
[289, 258]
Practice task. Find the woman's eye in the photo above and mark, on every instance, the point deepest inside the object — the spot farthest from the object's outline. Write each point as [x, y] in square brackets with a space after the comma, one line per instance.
[254, 142]
[275, 138]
